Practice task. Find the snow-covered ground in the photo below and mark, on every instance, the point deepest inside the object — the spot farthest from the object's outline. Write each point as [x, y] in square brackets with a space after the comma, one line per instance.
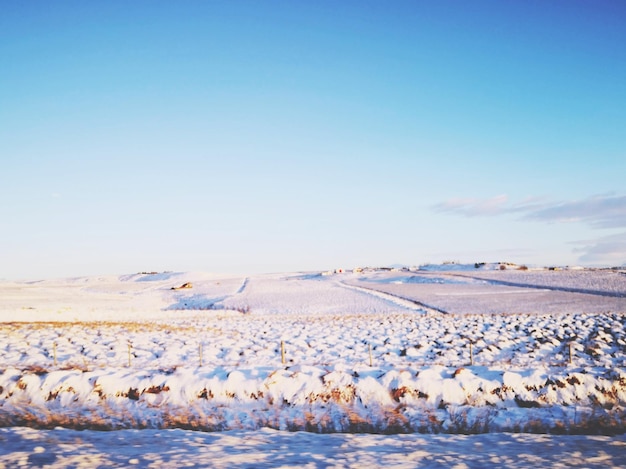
[455, 351]
[476, 291]
[60, 448]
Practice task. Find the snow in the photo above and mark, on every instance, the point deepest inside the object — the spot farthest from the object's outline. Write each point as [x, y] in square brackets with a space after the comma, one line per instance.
[25, 447]
[463, 290]
[414, 354]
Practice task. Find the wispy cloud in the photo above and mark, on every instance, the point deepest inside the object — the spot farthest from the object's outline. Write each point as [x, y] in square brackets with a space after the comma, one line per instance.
[599, 211]
[609, 250]
[475, 207]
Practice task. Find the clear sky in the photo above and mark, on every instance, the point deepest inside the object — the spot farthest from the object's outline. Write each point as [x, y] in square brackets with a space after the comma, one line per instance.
[268, 136]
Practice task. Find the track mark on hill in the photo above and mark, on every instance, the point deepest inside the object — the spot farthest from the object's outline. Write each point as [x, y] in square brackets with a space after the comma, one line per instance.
[202, 301]
[540, 286]
[243, 286]
[406, 303]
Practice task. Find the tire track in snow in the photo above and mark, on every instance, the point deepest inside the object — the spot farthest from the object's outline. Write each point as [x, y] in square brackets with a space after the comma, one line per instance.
[395, 299]
[201, 301]
[542, 287]
[240, 290]
[243, 286]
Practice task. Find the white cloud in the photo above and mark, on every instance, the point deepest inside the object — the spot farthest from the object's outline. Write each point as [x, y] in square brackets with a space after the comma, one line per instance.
[608, 250]
[475, 207]
[599, 211]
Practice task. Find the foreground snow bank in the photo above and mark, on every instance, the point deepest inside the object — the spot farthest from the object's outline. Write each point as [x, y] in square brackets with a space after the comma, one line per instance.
[60, 448]
[319, 399]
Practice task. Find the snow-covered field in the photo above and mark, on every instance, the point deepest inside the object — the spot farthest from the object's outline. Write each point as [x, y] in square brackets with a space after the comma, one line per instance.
[59, 448]
[261, 358]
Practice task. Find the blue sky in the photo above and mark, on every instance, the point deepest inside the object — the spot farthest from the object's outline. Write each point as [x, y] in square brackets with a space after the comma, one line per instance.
[280, 136]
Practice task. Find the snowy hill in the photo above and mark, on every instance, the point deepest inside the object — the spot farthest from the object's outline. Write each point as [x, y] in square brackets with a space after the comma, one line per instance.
[379, 350]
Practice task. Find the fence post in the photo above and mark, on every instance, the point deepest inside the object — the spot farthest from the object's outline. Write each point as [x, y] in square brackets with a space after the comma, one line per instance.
[129, 347]
[370, 354]
[471, 347]
[200, 352]
[282, 351]
[54, 352]
[569, 347]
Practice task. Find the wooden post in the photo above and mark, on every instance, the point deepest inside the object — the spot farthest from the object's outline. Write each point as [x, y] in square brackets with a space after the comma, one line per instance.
[200, 352]
[471, 346]
[282, 351]
[370, 355]
[129, 347]
[570, 352]
[54, 352]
